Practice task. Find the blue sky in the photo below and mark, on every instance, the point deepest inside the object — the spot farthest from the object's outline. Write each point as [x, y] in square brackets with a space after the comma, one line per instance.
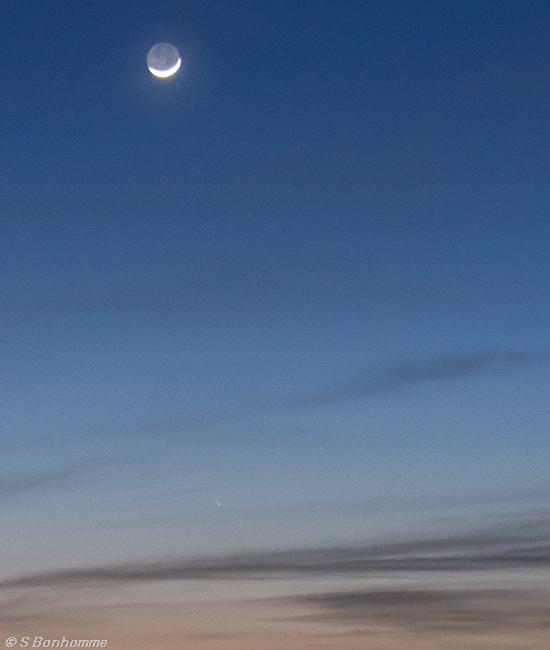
[307, 276]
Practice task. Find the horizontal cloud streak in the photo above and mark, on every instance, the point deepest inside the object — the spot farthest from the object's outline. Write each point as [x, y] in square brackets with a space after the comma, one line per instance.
[455, 610]
[523, 545]
[54, 479]
[443, 368]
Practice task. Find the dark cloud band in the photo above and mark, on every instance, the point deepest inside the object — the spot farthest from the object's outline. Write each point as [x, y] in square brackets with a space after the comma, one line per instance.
[408, 373]
[521, 545]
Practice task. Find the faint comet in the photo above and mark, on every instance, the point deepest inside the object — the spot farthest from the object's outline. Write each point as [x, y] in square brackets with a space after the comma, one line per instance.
[216, 500]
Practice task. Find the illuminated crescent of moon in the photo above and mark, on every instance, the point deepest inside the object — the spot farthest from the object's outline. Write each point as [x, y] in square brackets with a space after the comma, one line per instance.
[166, 73]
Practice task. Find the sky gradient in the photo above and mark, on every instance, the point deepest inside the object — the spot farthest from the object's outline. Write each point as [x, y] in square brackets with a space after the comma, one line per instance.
[271, 314]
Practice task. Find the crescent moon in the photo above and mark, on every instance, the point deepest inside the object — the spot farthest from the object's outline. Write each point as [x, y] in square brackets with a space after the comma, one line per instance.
[166, 73]
[163, 60]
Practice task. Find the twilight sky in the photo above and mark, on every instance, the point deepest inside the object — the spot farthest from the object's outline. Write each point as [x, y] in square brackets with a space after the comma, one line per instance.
[306, 278]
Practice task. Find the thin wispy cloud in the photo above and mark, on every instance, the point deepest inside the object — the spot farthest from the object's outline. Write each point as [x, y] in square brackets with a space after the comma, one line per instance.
[435, 610]
[421, 371]
[224, 290]
[519, 545]
[17, 610]
[10, 487]
[366, 385]
[58, 478]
